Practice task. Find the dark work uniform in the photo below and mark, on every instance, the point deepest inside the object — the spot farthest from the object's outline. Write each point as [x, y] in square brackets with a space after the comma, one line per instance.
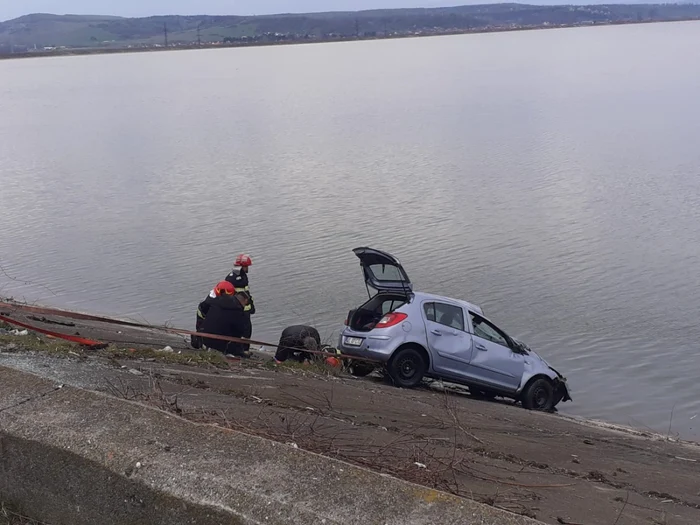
[202, 311]
[292, 341]
[225, 317]
[239, 279]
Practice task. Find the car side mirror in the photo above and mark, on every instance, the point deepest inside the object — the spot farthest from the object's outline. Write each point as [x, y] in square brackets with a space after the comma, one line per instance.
[514, 348]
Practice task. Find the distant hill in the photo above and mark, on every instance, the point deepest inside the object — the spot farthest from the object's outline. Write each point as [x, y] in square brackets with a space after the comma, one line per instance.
[42, 30]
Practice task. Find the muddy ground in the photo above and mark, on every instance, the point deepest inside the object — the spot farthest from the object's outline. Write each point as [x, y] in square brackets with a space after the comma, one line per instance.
[559, 470]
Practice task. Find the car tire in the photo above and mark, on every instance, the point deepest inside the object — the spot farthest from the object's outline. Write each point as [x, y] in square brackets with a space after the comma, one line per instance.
[361, 369]
[539, 395]
[407, 368]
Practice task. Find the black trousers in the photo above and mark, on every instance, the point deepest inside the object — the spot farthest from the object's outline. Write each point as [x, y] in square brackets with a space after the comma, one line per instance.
[195, 340]
[247, 332]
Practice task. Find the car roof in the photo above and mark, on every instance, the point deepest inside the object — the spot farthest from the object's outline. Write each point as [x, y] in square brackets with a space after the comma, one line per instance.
[422, 296]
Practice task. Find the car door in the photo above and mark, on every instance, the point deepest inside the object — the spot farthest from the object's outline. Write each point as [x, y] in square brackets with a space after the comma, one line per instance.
[493, 361]
[449, 342]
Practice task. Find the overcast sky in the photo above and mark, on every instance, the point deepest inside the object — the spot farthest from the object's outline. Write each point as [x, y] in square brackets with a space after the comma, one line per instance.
[14, 8]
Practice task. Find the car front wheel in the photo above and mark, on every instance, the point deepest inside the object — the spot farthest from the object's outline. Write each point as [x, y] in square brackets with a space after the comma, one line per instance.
[407, 368]
[539, 395]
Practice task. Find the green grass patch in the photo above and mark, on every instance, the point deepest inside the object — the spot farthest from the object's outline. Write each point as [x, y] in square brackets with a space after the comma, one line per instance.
[315, 367]
[216, 359]
[33, 343]
[58, 348]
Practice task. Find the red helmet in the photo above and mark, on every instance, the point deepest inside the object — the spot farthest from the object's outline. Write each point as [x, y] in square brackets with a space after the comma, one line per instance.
[243, 261]
[224, 288]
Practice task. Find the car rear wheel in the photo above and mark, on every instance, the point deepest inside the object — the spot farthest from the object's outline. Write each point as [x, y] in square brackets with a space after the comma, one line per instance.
[539, 395]
[407, 368]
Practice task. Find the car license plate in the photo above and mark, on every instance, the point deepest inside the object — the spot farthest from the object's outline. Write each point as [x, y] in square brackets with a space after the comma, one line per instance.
[353, 341]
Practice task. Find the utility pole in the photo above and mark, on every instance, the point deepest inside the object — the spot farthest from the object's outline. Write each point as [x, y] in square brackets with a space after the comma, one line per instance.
[199, 35]
[357, 27]
[165, 32]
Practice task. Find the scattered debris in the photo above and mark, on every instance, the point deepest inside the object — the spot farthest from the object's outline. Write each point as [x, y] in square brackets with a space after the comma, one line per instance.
[293, 445]
[49, 321]
[687, 459]
[420, 465]
[564, 521]
[135, 372]
[167, 350]
[100, 346]
[19, 333]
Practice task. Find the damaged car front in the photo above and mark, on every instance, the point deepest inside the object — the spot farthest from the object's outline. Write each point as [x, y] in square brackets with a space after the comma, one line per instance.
[537, 365]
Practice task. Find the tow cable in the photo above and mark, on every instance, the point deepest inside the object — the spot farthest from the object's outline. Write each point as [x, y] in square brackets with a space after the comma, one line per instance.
[118, 322]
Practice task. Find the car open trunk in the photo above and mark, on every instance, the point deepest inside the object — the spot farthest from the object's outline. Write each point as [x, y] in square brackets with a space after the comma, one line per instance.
[366, 317]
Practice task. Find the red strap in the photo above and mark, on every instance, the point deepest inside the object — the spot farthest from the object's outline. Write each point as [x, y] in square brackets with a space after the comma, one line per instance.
[72, 338]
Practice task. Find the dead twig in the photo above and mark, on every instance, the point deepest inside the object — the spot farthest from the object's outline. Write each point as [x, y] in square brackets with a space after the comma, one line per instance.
[453, 413]
[26, 283]
[623, 508]
[670, 422]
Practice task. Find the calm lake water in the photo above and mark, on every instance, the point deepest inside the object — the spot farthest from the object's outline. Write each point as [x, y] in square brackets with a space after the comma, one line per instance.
[551, 176]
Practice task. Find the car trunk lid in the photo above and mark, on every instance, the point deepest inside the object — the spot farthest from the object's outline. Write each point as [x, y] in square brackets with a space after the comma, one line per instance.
[382, 271]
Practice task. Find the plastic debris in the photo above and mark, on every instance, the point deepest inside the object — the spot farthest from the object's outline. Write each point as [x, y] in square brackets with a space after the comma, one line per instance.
[135, 372]
[293, 445]
[17, 332]
[420, 465]
[167, 349]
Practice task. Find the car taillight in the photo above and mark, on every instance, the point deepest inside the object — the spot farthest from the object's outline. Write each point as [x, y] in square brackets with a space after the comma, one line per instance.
[391, 320]
[347, 321]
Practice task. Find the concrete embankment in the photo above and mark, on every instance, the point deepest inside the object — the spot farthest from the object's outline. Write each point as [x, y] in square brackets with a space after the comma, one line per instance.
[543, 466]
[71, 456]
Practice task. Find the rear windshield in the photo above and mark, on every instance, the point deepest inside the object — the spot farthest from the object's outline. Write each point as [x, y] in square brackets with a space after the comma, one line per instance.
[386, 272]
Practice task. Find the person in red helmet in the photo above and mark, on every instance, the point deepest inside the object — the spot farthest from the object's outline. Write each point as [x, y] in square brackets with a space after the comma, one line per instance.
[226, 317]
[223, 288]
[239, 278]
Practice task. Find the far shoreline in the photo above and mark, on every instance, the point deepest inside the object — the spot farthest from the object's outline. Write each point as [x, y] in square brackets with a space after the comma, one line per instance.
[238, 45]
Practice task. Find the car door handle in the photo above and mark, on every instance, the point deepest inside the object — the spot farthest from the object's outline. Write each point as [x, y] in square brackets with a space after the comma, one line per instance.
[436, 332]
[482, 348]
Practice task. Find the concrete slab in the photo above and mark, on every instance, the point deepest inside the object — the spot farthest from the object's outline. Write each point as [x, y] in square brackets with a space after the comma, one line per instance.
[71, 456]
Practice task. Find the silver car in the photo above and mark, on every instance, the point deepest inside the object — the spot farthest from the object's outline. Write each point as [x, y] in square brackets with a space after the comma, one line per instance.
[416, 335]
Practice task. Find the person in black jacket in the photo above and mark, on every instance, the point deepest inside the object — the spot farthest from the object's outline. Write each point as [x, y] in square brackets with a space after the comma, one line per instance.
[294, 340]
[226, 317]
[223, 287]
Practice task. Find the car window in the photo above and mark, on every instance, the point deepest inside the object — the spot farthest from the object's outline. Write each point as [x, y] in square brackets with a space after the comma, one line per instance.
[429, 309]
[445, 314]
[486, 330]
[386, 272]
[390, 306]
